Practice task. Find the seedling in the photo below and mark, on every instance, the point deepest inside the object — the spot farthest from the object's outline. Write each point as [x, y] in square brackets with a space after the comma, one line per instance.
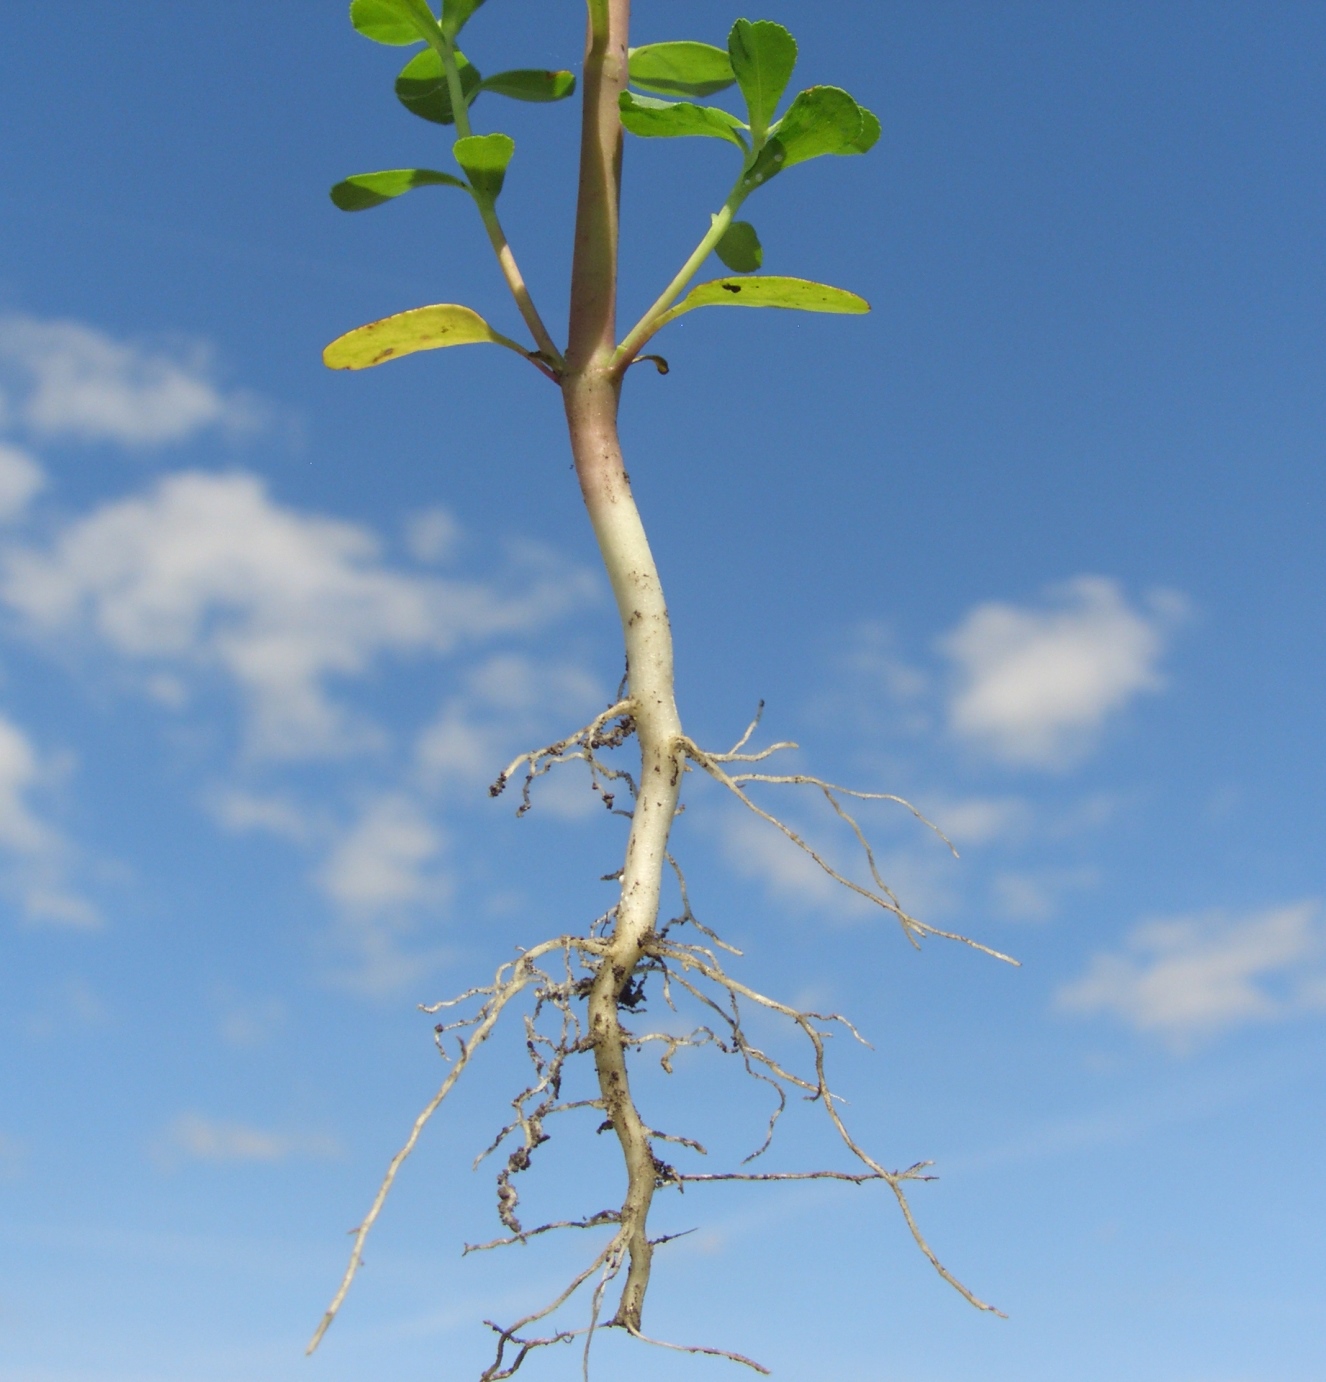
[581, 991]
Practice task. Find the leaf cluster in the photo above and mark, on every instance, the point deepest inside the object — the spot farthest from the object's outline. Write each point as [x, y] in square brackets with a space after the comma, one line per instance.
[427, 86]
[759, 60]
[440, 84]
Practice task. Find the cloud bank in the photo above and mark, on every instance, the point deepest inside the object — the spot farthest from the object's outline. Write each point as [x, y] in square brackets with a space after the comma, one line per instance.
[207, 572]
[77, 382]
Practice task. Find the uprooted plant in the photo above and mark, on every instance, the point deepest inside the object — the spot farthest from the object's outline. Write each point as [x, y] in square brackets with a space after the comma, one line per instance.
[581, 991]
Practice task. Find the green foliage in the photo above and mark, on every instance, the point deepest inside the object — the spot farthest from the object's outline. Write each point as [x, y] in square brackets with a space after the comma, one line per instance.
[421, 328]
[363, 190]
[763, 55]
[824, 120]
[760, 59]
[740, 248]
[821, 120]
[655, 119]
[395, 22]
[455, 15]
[422, 86]
[485, 158]
[530, 84]
[680, 69]
[798, 294]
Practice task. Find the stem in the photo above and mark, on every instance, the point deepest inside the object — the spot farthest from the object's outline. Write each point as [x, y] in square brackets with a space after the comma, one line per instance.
[648, 324]
[591, 387]
[506, 260]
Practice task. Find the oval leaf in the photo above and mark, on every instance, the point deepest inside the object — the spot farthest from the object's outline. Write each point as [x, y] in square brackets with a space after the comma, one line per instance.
[421, 328]
[530, 84]
[822, 120]
[364, 190]
[422, 86]
[740, 248]
[681, 69]
[456, 13]
[653, 119]
[485, 158]
[797, 294]
[763, 55]
[396, 22]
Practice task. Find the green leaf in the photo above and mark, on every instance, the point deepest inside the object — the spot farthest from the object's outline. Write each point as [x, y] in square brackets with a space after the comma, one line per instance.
[740, 248]
[421, 328]
[763, 55]
[652, 119]
[797, 294]
[456, 13]
[484, 158]
[823, 120]
[422, 86]
[530, 84]
[681, 69]
[363, 190]
[395, 22]
[870, 132]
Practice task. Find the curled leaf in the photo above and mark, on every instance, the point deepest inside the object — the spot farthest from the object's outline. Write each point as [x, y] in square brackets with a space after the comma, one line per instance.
[740, 248]
[363, 190]
[421, 328]
[485, 158]
[796, 294]
[654, 119]
[422, 86]
[394, 22]
[530, 84]
[680, 69]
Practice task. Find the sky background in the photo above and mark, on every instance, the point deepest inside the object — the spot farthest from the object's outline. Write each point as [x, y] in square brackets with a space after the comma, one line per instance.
[1037, 544]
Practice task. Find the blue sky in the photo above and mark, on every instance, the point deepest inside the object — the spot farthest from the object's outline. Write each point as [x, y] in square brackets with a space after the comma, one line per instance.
[1036, 544]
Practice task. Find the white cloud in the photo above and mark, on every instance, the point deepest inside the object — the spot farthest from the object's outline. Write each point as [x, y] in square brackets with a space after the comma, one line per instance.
[432, 535]
[381, 873]
[195, 1137]
[1036, 685]
[242, 812]
[505, 703]
[1038, 896]
[37, 853]
[248, 1024]
[207, 571]
[759, 851]
[20, 479]
[388, 860]
[1186, 977]
[78, 382]
[980, 820]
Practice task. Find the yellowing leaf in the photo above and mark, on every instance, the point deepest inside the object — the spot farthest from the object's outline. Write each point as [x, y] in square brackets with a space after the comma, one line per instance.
[421, 328]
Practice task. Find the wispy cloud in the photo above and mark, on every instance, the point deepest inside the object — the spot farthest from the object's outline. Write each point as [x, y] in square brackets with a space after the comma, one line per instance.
[20, 480]
[75, 381]
[1038, 895]
[380, 874]
[1035, 686]
[195, 1137]
[209, 572]
[36, 854]
[1190, 977]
